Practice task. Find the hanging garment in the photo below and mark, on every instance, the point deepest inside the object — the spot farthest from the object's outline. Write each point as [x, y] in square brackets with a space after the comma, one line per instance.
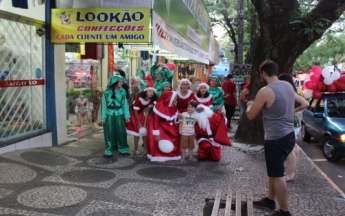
[111, 57]
[91, 51]
[72, 47]
[20, 4]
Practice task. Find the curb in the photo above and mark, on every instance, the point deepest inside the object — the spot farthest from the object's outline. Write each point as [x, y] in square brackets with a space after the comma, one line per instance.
[342, 194]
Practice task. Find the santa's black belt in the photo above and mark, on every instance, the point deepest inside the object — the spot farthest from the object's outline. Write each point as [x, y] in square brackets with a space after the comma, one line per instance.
[208, 136]
[114, 107]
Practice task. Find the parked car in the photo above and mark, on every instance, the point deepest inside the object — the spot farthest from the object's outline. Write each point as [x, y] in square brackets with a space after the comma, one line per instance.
[324, 120]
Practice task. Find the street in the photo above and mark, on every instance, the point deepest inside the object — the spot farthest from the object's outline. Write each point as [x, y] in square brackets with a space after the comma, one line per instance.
[335, 171]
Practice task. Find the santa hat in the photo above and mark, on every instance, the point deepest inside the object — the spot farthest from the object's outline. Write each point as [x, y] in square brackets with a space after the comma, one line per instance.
[204, 84]
[165, 107]
[185, 81]
[150, 87]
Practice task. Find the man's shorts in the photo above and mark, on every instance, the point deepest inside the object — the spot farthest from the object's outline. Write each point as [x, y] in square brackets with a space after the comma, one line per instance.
[187, 142]
[276, 152]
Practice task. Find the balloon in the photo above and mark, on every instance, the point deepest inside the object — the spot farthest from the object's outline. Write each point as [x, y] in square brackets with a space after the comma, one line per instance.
[304, 88]
[319, 86]
[326, 72]
[340, 86]
[317, 70]
[165, 146]
[335, 75]
[331, 88]
[342, 79]
[308, 93]
[309, 85]
[315, 78]
[171, 66]
[143, 131]
[328, 81]
[317, 95]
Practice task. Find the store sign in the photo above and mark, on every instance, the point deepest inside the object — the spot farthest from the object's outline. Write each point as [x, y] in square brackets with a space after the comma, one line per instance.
[127, 25]
[21, 83]
[142, 47]
[188, 17]
[168, 39]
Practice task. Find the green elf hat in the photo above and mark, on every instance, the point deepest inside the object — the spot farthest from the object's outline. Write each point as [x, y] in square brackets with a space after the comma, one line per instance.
[114, 79]
[214, 77]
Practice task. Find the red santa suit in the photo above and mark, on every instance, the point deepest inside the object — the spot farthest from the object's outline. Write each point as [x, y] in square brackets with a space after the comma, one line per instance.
[138, 105]
[211, 133]
[164, 124]
[182, 101]
[205, 101]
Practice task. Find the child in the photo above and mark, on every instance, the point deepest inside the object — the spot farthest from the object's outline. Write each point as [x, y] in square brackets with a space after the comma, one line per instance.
[187, 130]
[203, 96]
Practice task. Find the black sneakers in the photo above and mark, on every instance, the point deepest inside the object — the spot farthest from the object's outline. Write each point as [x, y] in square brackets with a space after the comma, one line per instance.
[265, 203]
[281, 213]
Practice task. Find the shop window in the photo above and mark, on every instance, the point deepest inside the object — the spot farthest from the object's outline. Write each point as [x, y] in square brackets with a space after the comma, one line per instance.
[22, 90]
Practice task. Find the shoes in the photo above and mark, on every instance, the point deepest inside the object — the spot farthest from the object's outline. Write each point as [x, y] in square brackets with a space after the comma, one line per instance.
[137, 152]
[281, 213]
[107, 156]
[230, 127]
[191, 159]
[125, 154]
[265, 203]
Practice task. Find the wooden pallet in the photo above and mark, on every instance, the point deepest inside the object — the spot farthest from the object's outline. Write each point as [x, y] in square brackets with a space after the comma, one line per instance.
[234, 206]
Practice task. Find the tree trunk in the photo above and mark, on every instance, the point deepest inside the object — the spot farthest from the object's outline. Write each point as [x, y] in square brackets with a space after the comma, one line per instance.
[282, 43]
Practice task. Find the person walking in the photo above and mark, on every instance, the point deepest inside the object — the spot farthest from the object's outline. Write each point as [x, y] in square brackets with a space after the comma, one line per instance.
[276, 101]
[244, 93]
[230, 98]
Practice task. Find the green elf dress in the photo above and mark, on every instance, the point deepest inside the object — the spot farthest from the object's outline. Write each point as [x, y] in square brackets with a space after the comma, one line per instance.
[217, 94]
[115, 110]
[166, 74]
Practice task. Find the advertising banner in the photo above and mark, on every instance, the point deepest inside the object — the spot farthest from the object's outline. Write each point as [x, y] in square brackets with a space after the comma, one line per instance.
[168, 39]
[188, 17]
[21, 83]
[126, 25]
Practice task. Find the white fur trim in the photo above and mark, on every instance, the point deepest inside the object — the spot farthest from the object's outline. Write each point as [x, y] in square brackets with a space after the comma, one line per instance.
[210, 141]
[204, 100]
[172, 98]
[208, 129]
[150, 105]
[168, 118]
[162, 159]
[156, 132]
[204, 84]
[186, 96]
[136, 108]
[154, 102]
[150, 88]
[144, 102]
[210, 106]
[133, 133]
[185, 80]
[226, 120]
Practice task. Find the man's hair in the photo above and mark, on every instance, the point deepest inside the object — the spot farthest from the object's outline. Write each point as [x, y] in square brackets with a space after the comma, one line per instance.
[229, 76]
[121, 72]
[247, 76]
[193, 103]
[270, 68]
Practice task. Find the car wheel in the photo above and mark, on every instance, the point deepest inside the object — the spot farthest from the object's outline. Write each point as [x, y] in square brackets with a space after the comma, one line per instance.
[305, 134]
[328, 150]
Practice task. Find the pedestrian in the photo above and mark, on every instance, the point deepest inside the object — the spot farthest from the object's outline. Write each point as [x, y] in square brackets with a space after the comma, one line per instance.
[115, 115]
[291, 159]
[203, 96]
[244, 94]
[187, 131]
[217, 94]
[210, 133]
[184, 95]
[139, 112]
[276, 101]
[230, 97]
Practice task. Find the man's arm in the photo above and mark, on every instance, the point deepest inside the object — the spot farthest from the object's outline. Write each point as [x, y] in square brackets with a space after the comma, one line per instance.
[303, 103]
[254, 108]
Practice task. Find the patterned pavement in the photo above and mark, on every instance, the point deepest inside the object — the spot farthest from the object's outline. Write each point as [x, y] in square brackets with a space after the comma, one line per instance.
[75, 179]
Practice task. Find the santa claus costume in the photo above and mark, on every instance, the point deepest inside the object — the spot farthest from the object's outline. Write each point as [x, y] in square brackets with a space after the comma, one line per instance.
[203, 96]
[211, 133]
[184, 95]
[165, 129]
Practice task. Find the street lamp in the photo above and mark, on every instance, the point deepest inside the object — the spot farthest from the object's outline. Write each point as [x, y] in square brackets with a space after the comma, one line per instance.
[232, 46]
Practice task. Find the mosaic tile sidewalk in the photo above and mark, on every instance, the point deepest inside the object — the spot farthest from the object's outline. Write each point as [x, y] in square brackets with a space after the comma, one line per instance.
[75, 179]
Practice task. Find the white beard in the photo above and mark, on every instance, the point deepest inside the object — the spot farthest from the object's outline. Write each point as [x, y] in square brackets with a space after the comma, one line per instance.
[202, 118]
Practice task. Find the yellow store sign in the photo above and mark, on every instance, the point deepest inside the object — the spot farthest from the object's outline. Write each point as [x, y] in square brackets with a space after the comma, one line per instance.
[127, 25]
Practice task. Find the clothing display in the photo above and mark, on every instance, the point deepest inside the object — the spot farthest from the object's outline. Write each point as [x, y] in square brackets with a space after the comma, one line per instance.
[91, 51]
[115, 110]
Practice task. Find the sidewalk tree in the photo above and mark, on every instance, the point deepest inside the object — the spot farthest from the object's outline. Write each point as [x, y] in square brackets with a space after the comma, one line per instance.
[285, 32]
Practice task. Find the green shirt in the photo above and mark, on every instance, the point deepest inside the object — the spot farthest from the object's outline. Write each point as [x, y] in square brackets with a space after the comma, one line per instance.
[119, 101]
[218, 97]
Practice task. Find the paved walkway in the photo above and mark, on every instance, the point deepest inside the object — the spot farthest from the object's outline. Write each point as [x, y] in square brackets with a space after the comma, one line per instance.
[74, 179]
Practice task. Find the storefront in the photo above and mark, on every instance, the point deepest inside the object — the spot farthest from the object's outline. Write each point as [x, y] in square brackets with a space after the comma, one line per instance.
[22, 77]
